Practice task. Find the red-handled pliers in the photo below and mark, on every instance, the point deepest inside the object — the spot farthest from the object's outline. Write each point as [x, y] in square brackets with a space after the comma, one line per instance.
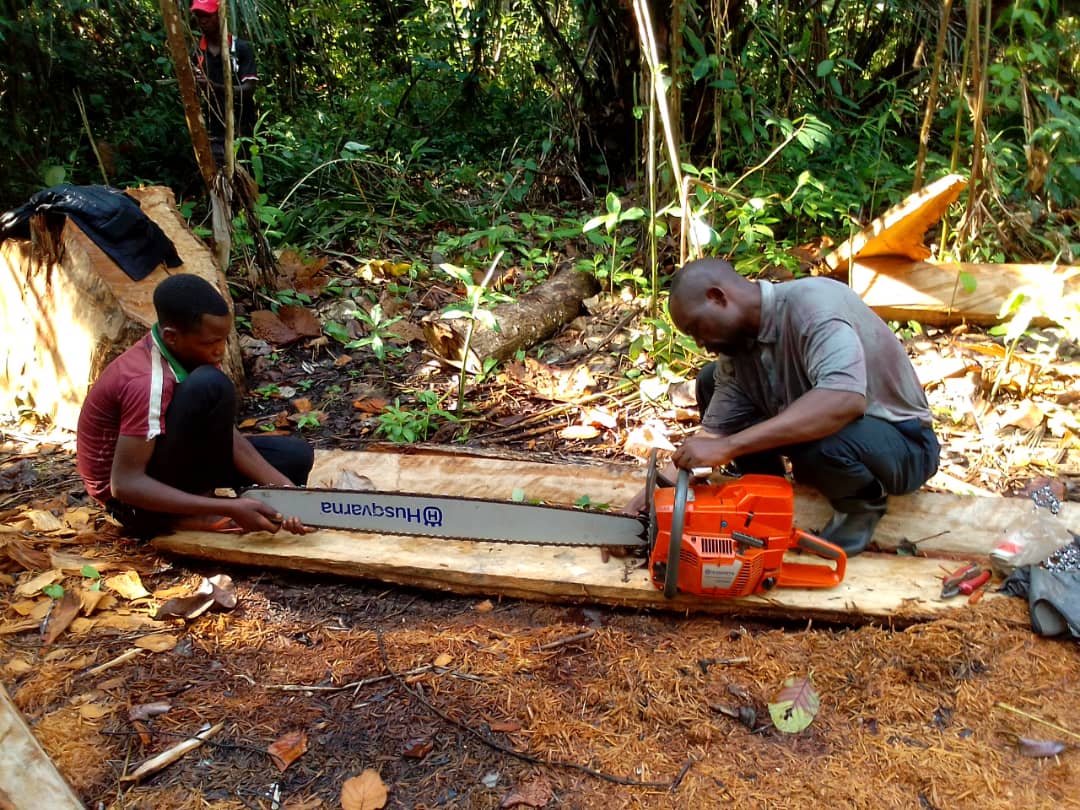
[964, 580]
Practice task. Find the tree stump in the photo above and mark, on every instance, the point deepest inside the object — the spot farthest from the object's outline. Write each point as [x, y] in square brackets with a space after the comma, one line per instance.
[69, 310]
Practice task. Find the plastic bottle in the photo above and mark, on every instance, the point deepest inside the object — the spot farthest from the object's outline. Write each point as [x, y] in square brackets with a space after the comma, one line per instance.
[1029, 540]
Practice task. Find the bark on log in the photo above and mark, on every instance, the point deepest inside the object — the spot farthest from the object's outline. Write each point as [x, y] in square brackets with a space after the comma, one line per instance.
[28, 778]
[535, 317]
[69, 310]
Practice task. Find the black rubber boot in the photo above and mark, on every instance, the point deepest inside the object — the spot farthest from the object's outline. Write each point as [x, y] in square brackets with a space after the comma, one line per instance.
[852, 524]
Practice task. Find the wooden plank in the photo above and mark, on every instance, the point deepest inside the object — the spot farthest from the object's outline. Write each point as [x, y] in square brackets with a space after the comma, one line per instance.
[28, 778]
[901, 289]
[900, 231]
[877, 586]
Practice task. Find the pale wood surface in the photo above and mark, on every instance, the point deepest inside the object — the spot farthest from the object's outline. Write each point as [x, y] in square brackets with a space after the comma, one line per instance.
[900, 231]
[904, 290]
[877, 586]
[28, 778]
[66, 319]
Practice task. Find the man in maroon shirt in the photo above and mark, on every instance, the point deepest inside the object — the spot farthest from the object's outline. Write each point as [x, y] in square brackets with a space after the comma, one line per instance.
[156, 434]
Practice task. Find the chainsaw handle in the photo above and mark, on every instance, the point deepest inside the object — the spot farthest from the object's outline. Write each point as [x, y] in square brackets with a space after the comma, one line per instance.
[805, 575]
[678, 519]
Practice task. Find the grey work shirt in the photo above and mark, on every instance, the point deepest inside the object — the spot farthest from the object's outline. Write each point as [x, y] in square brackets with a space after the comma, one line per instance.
[815, 333]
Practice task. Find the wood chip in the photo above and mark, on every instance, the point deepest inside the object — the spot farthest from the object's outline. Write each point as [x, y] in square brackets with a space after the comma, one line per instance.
[128, 585]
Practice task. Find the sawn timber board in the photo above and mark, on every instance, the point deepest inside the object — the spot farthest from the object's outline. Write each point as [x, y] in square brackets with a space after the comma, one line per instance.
[878, 587]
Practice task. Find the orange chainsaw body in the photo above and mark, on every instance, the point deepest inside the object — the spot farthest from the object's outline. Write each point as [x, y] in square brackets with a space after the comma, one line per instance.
[735, 537]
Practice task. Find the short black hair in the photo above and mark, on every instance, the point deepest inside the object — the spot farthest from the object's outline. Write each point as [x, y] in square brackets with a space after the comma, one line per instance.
[181, 301]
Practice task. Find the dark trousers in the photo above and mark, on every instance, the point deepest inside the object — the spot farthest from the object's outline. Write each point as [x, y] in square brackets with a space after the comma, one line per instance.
[864, 460]
[195, 454]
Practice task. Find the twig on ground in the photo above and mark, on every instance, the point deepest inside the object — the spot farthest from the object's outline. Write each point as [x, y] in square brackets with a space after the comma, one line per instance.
[535, 760]
[1047, 723]
[562, 642]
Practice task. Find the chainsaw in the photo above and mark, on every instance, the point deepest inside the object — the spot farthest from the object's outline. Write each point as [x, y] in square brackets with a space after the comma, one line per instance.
[716, 540]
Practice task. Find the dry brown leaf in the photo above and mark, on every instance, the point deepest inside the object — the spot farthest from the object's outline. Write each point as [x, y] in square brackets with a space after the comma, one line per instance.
[549, 382]
[80, 517]
[303, 275]
[249, 423]
[301, 320]
[288, 748]
[364, 792]
[128, 585]
[18, 666]
[157, 642]
[144, 711]
[598, 417]
[115, 620]
[25, 555]
[1025, 415]
[506, 726]
[10, 628]
[6, 579]
[444, 660]
[372, 405]
[63, 614]
[35, 584]
[306, 803]
[484, 607]
[43, 521]
[342, 360]
[94, 711]
[536, 793]
[643, 439]
[224, 591]
[185, 607]
[26, 607]
[90, 600]
[265, 325]
[417, 749]
[579, 432]
[302, 405]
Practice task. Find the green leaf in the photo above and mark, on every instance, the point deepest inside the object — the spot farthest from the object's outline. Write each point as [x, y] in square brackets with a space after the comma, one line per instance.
[518, 496]
[968, 282]
[795, 705]
[337, 331]
[54, 590]
[824, 67]
[55, 175]
[91, 572]
[593, 224]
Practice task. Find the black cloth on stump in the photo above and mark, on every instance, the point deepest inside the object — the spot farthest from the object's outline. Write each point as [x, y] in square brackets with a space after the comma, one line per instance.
[109, 217]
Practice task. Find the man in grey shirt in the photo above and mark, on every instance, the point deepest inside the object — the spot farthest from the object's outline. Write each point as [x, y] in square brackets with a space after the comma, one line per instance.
[810, 373]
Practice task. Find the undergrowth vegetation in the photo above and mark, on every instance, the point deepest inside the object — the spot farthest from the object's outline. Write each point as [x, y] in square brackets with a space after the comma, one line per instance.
[448, 133]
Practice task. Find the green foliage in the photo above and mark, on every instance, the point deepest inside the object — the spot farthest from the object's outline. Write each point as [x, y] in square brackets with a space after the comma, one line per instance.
[402, 425]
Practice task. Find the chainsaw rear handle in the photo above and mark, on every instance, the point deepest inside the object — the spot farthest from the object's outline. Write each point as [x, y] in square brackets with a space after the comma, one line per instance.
[678, 518]
[804, 575]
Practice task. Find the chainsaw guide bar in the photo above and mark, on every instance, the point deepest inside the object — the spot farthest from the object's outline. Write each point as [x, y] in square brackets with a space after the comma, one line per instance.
[452, 517]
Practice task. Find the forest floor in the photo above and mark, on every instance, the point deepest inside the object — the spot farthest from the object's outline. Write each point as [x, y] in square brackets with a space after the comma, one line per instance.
[471, 703]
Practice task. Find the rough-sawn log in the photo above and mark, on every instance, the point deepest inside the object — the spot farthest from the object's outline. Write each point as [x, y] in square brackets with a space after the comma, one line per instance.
[878, 587]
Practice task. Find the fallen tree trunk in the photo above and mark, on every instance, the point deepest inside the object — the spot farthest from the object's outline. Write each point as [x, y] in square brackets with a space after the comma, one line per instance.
[535, 317]
[28, 778]
[69, 310]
